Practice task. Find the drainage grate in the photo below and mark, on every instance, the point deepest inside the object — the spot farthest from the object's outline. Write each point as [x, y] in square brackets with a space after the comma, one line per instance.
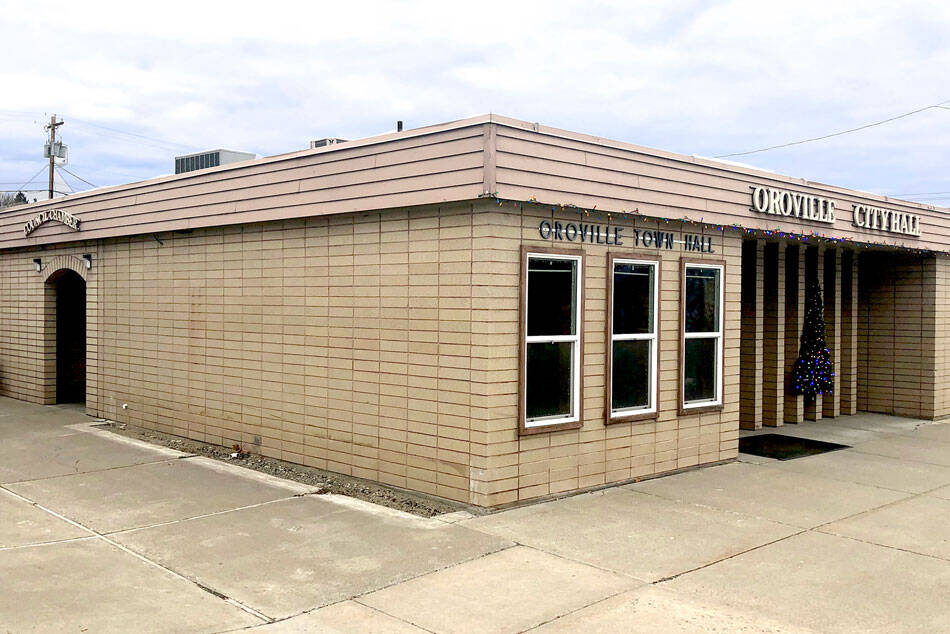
[785, 447]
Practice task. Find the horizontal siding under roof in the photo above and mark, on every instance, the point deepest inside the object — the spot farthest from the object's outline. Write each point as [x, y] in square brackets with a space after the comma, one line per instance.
[414, 170]
[558, 170]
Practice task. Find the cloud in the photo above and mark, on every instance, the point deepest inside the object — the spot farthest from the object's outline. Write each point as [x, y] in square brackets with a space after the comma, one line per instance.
[689, 76]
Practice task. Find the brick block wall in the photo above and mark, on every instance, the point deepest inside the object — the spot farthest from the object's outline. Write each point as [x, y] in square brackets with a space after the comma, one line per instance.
[901, 344]
[518, 468]
[381, 344]
[28, 318]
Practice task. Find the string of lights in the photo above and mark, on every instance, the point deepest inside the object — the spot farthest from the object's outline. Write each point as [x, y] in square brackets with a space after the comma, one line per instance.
[632, 214]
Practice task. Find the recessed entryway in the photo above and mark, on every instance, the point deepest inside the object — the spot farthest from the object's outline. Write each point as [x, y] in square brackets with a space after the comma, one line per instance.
[70, 291]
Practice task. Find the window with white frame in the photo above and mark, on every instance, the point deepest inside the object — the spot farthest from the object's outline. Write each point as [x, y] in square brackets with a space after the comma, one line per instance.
[702, 335]
[552, 365]
[633, 338]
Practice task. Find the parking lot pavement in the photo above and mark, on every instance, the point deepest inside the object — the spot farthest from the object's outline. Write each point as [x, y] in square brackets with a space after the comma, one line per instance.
[101, 533]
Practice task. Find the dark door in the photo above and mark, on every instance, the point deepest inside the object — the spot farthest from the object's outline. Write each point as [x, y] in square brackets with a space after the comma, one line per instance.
[70, 338]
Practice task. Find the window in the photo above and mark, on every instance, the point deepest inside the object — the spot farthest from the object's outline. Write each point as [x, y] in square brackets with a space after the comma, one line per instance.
[632, 349]
[551, 357]
[701, 379]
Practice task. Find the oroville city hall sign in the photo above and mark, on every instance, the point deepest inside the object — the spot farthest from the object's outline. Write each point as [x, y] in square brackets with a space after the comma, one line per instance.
[780, 202]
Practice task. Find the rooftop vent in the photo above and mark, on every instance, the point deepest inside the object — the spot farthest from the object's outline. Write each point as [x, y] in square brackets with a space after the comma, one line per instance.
[325, 142]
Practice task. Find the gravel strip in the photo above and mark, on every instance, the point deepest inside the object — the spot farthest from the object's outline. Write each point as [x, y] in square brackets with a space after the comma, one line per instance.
[329, 482]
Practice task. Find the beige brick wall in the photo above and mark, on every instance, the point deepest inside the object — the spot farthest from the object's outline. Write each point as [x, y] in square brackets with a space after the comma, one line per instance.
[28, 317]
[339, 342]
[941, 317]
[902, 347]
[382, 345]
[523, 467]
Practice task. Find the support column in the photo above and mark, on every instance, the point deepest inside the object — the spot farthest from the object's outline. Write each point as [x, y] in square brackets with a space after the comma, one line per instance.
[794, 303]
[773, 348]
[831, 406]
[847, 372]
[813, 270]
[750, 351]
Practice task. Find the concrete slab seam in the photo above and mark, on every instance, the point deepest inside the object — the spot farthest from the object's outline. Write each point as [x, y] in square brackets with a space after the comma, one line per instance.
[570, 612]
[880, 455]
[824, 528]
[355, 598]
[583, 563]
[889, 546]
[865, 484]
[720, 510]
[49, 543]
[393, 616]
[910, 496]
[722, 559]
[144, 559]
[205, 515]
[80, 473]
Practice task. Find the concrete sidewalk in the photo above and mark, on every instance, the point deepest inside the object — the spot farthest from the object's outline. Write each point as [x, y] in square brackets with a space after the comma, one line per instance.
[101, 533]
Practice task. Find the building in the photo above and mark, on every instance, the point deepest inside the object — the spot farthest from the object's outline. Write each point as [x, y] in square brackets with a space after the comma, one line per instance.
[487, 310]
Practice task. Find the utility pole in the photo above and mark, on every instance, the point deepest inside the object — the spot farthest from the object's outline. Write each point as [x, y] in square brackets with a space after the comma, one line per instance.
[53, 124]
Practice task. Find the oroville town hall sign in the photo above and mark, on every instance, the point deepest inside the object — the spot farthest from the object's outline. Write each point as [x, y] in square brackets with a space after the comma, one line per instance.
[607, 234]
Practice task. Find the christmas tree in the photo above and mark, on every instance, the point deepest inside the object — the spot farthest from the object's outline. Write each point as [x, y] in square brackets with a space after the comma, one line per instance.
[813, 372]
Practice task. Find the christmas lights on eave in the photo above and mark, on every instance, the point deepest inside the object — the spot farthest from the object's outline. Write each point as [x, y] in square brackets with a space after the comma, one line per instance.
[631, 215]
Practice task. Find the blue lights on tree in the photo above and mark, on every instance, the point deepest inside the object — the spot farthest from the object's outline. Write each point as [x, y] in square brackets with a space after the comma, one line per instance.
[814, 371]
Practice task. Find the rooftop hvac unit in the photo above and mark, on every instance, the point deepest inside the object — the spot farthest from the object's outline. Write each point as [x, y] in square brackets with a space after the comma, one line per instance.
[325, 142]
[210, 158]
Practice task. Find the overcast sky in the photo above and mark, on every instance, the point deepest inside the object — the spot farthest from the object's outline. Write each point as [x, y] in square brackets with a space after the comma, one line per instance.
[707, 78]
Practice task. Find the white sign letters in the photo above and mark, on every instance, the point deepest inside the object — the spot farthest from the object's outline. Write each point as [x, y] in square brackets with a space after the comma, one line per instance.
[57, 215]
[878, 219]
[780, 202]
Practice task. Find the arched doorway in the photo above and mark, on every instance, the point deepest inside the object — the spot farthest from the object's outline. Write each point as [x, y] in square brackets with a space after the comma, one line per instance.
[70, 291]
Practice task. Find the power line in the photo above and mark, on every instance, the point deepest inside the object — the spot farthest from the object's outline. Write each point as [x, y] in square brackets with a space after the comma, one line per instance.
[920, 194]
[31, 178]
[55, 191]
[76, 176]
[83, 122]
[828, 136]
[133, 134]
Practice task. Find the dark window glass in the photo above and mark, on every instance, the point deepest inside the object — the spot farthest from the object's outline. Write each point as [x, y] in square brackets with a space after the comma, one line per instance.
[700, 370]
[552, 294]
[702, 300]
[631, 370]
[548, 384]
[633, 299]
